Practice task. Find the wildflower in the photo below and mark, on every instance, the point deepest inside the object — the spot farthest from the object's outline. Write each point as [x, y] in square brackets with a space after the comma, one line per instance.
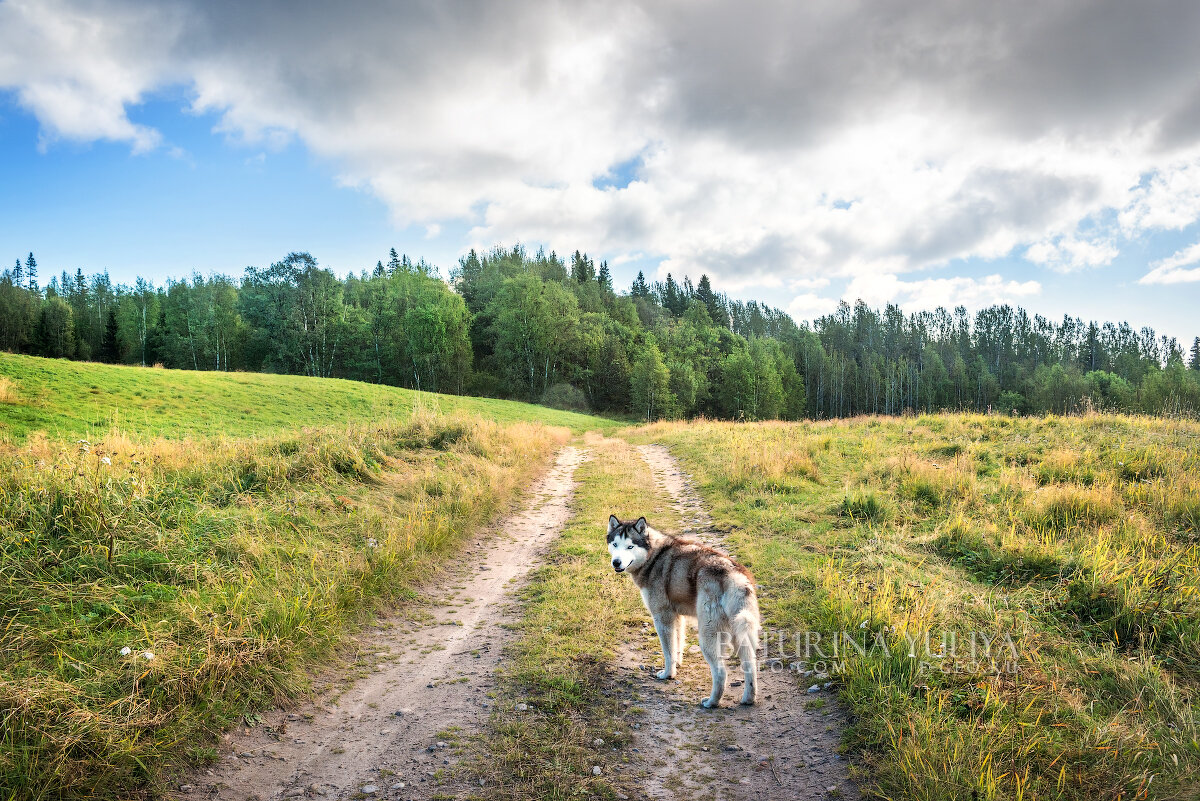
[371, 543]
[147, 655]
[126, 651]
[863, 625]
[105, 460]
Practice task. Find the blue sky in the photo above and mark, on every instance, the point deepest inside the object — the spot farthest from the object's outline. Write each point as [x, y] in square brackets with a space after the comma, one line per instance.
[796, 156]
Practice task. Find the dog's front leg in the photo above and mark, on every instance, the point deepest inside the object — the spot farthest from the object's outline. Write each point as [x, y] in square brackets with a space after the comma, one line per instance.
[665, 626]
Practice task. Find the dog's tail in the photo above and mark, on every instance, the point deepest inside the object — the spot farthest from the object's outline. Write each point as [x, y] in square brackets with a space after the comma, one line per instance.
[746, 625]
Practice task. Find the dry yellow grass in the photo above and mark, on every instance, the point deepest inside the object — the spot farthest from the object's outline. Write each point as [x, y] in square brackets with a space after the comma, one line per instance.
[236, 563]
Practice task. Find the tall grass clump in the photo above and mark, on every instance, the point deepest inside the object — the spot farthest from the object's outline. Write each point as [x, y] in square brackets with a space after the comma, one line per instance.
[865, 505]
[154, 591]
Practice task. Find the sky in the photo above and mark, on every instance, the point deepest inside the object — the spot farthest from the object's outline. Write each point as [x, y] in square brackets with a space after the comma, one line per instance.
[931, 153]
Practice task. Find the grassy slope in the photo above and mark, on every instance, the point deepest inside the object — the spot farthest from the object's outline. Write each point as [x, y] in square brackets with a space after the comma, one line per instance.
[74, 399]
[237, 561]
[1077, 536]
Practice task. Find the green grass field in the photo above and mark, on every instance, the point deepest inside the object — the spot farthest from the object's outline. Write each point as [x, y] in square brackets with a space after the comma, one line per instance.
[1078, 537]
[237, 526]
[180, 549]
[72, 399]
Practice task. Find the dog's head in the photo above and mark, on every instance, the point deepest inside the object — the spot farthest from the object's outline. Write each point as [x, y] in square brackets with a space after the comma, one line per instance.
[628, 543]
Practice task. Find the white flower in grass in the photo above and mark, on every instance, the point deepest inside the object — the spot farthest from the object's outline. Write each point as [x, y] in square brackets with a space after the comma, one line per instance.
[105, 460]
[147, 655]
[862, 625]
[126, 651]
[372, 543]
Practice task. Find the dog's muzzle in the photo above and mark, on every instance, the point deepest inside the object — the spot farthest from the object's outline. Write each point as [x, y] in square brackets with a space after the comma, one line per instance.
[617, 566]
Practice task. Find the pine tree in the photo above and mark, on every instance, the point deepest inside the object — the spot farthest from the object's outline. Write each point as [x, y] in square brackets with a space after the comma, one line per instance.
[393, 264]
[31, 273]
[16, 274]
[1194, 364]
[110, 345]
[604, 278]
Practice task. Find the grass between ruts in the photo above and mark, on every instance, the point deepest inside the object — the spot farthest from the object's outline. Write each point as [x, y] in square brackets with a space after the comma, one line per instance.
[68, 399]
[576, 612]
[154, 591]
[1076, 536]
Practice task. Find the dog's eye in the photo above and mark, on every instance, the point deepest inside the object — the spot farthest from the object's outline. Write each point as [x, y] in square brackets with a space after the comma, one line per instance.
[629, 547]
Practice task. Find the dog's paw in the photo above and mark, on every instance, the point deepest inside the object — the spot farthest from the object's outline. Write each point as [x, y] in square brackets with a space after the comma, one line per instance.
[663, 675]
[747, 700]
[709, 703]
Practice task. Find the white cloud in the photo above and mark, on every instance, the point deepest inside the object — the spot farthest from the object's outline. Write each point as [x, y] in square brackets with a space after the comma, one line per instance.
[1171, 269]
[780, 144]
[809, 306]
[930, 293]
[1068, 254]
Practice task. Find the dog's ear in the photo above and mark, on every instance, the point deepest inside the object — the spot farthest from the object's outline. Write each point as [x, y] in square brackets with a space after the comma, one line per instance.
[640, 525]
[613, 522]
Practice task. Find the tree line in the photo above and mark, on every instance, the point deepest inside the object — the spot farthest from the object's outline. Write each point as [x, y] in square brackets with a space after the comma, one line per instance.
[539, 327]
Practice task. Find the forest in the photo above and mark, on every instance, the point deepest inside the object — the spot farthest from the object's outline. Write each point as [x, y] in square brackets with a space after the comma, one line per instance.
[555, 330]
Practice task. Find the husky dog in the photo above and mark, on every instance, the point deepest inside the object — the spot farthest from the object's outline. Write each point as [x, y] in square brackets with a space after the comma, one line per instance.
[681, 578]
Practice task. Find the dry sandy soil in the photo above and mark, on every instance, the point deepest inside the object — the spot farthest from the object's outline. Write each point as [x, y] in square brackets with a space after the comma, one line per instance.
[391, 733]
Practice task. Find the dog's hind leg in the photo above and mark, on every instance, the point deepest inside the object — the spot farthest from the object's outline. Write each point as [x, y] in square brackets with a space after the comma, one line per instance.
[665, 626]
[680, 640]
[711, 646]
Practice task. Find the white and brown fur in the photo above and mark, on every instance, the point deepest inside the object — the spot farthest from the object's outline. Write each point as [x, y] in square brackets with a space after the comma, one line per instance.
[681, 579]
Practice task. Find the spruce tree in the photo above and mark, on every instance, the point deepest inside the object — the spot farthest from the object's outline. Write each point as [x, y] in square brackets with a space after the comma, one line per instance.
[156, 351]
[1194, 363]
[604, 278]
[31, 273]
[639, 288]
[583, 269]
[110, 345]
[16, 274]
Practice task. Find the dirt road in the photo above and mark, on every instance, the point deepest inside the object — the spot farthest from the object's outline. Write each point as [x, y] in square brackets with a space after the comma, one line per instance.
[391, 733]
[782, 748]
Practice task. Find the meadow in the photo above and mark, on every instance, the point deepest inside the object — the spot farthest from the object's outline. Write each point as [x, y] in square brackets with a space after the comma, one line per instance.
[72, 400]
[154, 590]
[1079, 538]
[179, 550]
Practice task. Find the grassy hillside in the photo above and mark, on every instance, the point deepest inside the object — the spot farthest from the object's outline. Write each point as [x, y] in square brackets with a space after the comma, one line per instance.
[1078, 537]
[155, 588]
[81, 399]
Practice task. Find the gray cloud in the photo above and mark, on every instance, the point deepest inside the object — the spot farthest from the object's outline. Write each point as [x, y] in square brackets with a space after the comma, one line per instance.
[780, 140]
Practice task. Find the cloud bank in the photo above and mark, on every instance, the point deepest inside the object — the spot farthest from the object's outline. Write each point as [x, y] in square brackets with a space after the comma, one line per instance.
[770, 144]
